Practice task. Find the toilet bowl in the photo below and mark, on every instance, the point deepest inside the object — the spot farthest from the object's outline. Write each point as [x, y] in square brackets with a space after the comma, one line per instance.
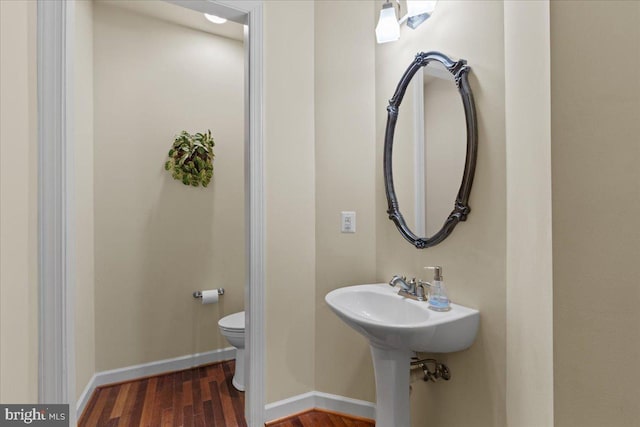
[232, 328]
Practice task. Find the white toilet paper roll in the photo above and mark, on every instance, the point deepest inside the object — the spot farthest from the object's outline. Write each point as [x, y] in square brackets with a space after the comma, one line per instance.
[210, 296]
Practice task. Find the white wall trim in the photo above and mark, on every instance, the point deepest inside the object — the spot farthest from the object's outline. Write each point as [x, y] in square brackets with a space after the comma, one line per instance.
[289, 406]
[85, 396]
[157, 367]
[56, 249]
[254, 295]
[255, 340]
[319, 400]
[419, 148]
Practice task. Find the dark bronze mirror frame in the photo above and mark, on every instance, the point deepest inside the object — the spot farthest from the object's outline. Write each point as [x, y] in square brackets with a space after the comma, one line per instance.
[459, 70]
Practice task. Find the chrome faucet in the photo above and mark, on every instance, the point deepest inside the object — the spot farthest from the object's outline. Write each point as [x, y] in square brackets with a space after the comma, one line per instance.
[402, 281]
[412, 289]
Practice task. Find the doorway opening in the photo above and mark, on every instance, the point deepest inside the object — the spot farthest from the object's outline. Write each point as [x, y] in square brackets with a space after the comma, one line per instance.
[57, 199]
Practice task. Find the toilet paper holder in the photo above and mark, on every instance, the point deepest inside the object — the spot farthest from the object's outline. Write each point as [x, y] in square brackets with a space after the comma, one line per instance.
[198, 294]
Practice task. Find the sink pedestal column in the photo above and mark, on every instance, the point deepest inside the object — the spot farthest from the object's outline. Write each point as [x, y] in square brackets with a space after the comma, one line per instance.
[391, 367]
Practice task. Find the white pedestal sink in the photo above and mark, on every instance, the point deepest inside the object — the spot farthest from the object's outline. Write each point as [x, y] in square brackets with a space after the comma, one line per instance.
[395, 327]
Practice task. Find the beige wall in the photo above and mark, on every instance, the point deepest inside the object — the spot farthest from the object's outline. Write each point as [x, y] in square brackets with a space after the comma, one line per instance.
[595, 57]
[290, 198]
[529, 248]
[474, 256]
[345, 181]
[18, 204]
[156, 240]
[83, 144]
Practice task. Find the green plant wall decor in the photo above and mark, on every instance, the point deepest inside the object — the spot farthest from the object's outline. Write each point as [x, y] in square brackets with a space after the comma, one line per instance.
[191, 158]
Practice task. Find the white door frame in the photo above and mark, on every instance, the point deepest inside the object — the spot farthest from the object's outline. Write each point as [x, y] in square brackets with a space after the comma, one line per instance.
[56, 199]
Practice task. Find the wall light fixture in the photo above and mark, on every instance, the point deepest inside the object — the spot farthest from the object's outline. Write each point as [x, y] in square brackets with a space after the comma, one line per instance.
[388, 28]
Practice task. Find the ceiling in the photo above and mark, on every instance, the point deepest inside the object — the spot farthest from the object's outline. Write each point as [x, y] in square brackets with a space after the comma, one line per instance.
[179, 15]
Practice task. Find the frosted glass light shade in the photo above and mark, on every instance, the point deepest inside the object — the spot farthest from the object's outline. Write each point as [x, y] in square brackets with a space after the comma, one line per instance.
[418, 7]
[388, 28]
[419, 11]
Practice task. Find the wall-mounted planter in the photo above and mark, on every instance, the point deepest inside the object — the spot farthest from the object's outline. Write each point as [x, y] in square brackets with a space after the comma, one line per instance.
[191, 158]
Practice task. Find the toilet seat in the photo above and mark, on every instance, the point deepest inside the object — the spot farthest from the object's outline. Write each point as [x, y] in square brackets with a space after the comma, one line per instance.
[233, 322]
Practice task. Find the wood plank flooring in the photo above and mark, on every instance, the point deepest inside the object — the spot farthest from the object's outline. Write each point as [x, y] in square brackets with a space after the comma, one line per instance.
[320, 418]
[198, 397]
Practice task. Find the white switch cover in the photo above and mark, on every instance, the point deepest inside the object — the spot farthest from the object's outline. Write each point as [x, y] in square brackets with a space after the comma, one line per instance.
[348, 222]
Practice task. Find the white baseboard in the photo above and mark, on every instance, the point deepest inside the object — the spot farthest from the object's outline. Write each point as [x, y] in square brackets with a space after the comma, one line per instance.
[85, 396]
[319, 400]
[153, 368]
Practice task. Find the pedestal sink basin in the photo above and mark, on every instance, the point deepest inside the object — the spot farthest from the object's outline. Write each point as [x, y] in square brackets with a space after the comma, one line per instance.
[395, 327]
[389, 320]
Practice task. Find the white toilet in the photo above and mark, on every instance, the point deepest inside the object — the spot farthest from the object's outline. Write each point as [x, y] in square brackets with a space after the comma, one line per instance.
[232, 327]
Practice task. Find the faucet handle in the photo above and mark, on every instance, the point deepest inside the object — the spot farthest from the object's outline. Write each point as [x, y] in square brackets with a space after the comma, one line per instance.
[424, 283]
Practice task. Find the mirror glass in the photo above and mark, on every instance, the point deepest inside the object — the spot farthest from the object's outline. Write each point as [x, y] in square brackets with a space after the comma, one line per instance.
[431, 147]
[429, 163]
[441, 136]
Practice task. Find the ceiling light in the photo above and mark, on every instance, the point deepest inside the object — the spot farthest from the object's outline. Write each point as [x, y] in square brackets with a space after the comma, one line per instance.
[388, 28]
[215, 19]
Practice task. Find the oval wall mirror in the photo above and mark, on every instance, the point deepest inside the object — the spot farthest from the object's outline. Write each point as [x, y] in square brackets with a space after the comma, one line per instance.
[434, 163]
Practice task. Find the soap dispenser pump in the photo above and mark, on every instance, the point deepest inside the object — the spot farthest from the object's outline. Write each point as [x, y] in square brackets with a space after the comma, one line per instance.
[438, 299]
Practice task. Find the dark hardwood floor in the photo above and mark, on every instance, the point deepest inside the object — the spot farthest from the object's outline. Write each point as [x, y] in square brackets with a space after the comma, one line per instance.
[321, 418]
[198, 397]
[201, 396]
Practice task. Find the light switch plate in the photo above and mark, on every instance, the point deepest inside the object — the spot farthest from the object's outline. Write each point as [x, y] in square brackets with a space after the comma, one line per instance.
[348, 222]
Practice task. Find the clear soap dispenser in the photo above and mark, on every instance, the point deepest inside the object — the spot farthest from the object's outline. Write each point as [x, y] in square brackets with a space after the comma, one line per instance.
[438, 299]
